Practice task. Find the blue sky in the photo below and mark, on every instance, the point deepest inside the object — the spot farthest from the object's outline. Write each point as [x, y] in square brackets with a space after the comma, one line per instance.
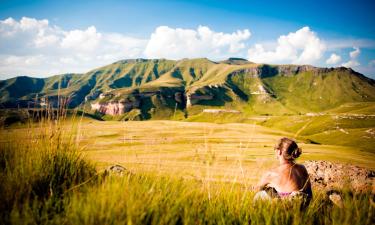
[42, 38]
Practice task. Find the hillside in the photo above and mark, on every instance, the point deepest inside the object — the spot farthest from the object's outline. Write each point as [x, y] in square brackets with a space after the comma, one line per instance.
[161, 88]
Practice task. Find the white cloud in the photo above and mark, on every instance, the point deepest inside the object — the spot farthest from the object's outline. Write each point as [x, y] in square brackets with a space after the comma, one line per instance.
[300, 47]
[334, 44]
[333, 59]
[166, 42]
[372, 63]
[34, 47]
[82, 40]
[354, 54]
[22, 65]
[27, 35]
[353, 62]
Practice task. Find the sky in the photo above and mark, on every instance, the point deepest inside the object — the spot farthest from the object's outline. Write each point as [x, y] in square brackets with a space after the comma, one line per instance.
[44, 38]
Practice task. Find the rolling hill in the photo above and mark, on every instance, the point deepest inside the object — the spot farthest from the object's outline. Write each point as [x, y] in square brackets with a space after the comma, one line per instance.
[160, 88]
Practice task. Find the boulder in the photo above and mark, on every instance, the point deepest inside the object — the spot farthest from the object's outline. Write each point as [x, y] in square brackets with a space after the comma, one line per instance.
[115, 170]
[327, 175]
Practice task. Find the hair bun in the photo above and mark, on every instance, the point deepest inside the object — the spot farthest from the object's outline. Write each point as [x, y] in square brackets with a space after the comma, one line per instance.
[296, 153]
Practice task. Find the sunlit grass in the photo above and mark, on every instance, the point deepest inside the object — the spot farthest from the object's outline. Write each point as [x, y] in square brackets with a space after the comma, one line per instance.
[153, 199]
[177, 173]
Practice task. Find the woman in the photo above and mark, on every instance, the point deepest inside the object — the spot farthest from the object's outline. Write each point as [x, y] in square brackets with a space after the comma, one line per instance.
[289, 179]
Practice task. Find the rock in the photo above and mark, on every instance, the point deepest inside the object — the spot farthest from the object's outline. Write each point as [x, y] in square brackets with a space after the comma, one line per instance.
[115, 170]
[115, 108]
[327, 175]
[336, 199]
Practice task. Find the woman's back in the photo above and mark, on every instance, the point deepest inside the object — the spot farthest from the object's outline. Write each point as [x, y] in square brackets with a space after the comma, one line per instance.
[291, 177]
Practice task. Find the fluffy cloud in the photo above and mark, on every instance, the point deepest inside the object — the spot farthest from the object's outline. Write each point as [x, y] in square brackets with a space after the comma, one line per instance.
[25, 36]
[353, 62]
[300, 47]
[166, 42]
[333, 59]
[34, 47]
[82, 40]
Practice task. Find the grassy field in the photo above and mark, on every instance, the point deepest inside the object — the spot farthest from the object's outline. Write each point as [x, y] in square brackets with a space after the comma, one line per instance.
[178, 173]
[196, 149]
[349, 125]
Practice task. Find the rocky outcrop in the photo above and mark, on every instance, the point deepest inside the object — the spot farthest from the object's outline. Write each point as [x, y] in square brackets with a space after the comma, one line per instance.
[328, 175]
[251, 72]
[110, 108]
[282, 70]
[115, 108]
[285, 70]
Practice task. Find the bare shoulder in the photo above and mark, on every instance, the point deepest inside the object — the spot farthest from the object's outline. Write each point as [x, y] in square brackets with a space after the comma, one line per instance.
[270, 175]
[266, 179]
[301, 168]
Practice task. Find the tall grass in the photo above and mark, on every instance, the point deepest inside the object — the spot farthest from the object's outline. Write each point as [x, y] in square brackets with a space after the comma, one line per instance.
[45, 180]
[37, 168]
[151, 199]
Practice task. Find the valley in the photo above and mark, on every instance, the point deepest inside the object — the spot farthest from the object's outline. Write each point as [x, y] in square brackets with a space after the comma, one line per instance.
[228, 152]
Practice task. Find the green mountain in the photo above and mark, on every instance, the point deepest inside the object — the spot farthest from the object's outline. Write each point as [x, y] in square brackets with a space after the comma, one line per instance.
[161, 88]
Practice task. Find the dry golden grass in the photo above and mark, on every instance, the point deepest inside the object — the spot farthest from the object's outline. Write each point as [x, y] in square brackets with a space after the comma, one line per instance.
[209, 151]
[159, 153]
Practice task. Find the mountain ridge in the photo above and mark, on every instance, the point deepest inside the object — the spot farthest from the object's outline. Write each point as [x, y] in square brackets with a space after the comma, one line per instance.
[190, 85]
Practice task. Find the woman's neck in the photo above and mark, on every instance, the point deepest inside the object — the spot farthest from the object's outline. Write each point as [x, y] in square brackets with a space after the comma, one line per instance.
[286, 162]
